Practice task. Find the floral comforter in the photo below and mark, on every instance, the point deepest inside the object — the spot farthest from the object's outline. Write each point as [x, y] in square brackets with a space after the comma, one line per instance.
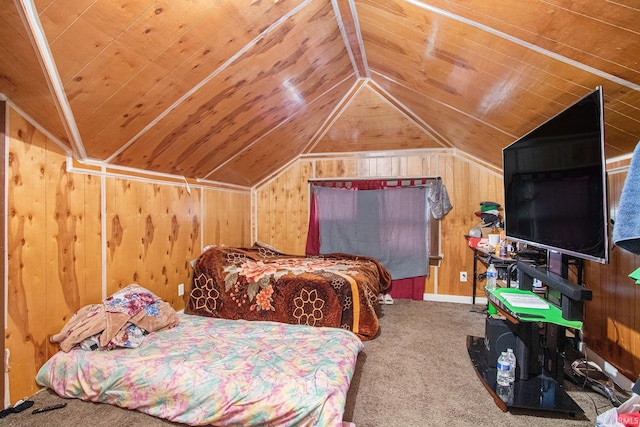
[219, 372]
[261, 283]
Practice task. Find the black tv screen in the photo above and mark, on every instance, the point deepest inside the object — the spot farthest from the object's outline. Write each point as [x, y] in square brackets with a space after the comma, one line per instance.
[555, 183]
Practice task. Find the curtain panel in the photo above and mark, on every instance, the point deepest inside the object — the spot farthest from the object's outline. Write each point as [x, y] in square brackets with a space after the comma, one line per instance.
[388, 221]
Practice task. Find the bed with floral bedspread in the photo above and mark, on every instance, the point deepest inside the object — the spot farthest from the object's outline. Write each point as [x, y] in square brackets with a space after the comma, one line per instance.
[262, 283]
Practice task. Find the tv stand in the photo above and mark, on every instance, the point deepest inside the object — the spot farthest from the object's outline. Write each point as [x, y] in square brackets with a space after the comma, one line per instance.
[539, 393]
[540, 372]
[570, 296]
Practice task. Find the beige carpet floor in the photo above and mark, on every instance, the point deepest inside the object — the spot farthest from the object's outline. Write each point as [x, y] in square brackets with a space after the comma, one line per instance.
[415, 373]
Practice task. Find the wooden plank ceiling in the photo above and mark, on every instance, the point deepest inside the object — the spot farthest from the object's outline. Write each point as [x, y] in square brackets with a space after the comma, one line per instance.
[231, 91]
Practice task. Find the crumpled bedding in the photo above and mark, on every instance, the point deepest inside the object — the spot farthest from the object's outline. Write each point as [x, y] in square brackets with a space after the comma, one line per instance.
[122, 320]
[209, 371]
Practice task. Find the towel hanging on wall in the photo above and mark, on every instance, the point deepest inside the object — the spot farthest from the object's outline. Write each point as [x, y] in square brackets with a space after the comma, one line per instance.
[626, 229]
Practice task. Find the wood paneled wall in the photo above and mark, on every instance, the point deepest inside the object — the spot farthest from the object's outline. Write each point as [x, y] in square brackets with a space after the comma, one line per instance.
[282, 204]
[53, 251]
[612, 320]
[59, 260]
[3, 208]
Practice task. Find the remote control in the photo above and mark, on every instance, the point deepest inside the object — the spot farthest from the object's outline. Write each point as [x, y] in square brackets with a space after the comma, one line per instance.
[49, 408]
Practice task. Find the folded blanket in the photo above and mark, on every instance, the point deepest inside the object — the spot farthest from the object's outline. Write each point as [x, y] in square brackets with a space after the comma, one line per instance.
[111, 321]
[626, 229]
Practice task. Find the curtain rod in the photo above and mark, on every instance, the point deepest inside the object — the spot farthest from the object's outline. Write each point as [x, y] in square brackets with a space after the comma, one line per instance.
[383, 178]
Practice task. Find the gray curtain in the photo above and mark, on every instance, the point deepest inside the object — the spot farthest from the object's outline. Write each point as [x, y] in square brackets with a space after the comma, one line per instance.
[390, 225]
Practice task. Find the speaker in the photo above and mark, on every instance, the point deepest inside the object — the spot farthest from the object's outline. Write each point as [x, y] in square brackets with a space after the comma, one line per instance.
[523, 338]
[499, 335]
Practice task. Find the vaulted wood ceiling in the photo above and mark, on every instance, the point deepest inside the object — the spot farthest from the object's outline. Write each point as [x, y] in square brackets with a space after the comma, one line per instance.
[231, 91]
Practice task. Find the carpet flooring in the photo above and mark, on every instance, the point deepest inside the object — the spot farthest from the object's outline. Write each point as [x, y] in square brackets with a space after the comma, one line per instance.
[417, 372]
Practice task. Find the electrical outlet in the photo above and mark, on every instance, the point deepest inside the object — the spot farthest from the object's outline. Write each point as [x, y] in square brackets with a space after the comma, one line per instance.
[463, 276]
[181, 289]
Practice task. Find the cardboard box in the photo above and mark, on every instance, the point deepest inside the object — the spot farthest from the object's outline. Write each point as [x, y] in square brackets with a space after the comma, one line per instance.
[487, 230]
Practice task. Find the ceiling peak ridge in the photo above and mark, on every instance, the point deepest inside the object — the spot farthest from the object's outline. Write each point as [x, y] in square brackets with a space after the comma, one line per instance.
[363, 52]
[29, 15]
[336, 113]
[405, 111]
[345, 37]
[207, 79]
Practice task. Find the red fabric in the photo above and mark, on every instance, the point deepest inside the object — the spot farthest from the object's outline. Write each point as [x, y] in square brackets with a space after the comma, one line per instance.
[369, 184]
[313, 234]
[409, 288]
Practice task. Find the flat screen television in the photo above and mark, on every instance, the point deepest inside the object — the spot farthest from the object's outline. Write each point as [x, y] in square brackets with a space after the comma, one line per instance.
[555, 184]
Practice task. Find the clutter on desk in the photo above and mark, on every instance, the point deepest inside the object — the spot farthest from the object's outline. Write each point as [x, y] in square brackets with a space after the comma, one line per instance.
[489, 214]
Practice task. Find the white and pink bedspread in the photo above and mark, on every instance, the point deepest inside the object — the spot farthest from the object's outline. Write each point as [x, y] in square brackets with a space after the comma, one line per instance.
[209, 371]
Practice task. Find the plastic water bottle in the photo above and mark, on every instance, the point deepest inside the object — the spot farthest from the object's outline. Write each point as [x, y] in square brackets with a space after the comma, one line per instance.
[503, 367]
[512, 364]
[492, 276]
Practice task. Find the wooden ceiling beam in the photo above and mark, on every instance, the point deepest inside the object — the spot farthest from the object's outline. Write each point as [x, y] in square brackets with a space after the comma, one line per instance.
[29, 15]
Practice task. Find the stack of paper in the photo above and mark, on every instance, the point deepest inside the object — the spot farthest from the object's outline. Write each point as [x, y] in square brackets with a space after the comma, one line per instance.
[525, 300]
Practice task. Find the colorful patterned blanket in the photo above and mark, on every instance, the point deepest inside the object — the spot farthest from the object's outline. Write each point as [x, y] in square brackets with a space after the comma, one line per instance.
[261, 283]
[122, 320]
[209, 371]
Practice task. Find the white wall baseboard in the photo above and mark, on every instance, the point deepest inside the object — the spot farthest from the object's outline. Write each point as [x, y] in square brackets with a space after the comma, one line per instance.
[453, 298]
[620, 380]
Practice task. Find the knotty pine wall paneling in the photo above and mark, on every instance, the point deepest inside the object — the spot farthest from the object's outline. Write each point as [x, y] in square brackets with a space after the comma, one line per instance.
[468, 183]
[3, 302]
[128, 234]
[183, 225]
[153, 232]
[228, 218]
[58, 259]
[73, 223]
[612, 324]
[53, 249]
[288, 218]
[151, 238]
